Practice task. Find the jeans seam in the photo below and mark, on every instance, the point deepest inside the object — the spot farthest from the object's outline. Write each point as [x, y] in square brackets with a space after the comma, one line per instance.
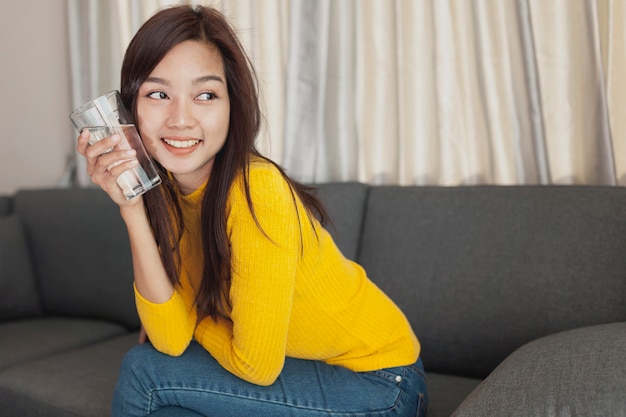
[151, 395]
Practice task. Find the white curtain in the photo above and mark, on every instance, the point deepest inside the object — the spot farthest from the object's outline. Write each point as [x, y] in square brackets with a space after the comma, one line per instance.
[439, 92]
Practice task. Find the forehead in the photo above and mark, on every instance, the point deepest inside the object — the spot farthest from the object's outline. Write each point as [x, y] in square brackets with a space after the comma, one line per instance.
[191, 57]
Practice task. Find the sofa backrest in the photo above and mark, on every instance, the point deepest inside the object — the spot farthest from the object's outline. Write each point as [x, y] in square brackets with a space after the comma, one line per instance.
[18, 291]
[481, 270]
[6, 203]
[81, 255]
[478, 271]
[345, 204]
[80, 252]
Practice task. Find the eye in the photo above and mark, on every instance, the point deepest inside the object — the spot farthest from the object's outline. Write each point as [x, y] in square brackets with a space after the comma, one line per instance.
[158, 95]
[206, 96]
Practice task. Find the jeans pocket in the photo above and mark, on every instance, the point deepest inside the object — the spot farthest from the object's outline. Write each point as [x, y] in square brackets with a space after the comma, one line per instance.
[389, 375]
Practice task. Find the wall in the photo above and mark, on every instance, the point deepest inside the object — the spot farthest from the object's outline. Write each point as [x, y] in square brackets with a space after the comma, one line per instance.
[36, 136]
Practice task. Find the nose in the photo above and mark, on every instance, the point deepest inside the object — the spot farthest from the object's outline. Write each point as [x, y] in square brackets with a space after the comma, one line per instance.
[181, 115]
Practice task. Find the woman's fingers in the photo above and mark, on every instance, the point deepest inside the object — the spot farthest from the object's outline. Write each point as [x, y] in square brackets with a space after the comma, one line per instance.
[113, 163]
[143, 336]
[106, 162]
[108, 168]
[119, 166]
[82, 142]
[102, 146]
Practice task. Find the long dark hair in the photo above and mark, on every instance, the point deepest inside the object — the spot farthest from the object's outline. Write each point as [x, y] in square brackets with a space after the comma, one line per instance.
[152, 42]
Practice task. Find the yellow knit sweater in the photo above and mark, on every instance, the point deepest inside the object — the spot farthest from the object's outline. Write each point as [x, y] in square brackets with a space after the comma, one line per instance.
[294, 295]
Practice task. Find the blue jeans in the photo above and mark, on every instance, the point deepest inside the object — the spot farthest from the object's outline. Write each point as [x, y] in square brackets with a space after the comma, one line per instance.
[194, 384]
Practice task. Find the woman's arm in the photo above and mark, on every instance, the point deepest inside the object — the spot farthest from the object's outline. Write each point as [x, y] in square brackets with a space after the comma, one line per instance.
[168, 315]
[151, 280]
[165, 316]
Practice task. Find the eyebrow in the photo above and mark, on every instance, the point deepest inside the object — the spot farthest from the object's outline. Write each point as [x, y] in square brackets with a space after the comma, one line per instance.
[197, 81]
[206, 78]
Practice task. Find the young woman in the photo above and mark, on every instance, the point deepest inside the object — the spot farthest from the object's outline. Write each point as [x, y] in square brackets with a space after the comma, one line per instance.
[249, 307]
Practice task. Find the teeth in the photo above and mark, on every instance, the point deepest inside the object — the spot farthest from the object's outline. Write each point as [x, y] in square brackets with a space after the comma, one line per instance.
[181, 143]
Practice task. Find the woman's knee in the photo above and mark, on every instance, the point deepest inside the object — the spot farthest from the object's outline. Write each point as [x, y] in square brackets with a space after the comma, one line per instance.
[132, 391]
[134, 357]
[137, 365]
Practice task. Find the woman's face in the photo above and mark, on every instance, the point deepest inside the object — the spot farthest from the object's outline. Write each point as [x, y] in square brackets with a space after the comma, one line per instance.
[183, 112]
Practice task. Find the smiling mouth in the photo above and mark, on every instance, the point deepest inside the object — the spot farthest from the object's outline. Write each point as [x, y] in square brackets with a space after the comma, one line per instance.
[181, 144]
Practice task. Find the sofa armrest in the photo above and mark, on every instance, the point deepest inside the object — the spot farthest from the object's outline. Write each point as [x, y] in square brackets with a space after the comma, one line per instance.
[580, 372]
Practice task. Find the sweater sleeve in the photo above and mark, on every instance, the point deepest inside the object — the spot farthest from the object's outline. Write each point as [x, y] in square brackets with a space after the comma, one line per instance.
[169, 325]
[252, 343]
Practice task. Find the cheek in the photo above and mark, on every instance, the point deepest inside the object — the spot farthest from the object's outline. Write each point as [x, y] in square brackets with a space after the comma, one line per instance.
[151, 143]
[142, 122]
[215, 124]
[148, 135]
[146, 125]
[147, 116]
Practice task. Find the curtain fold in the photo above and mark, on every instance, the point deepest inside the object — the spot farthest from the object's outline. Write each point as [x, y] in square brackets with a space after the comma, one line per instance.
[614, 55]
[428, 92]
[532, 154]
[340, 161]
[573, 91]
[420, 161]
[306, 87]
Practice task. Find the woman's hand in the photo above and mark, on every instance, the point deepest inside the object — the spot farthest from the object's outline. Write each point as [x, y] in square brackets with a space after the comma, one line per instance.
[104, 166]
[143, 336]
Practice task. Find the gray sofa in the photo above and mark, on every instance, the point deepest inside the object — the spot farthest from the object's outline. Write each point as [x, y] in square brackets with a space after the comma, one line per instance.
[518, 294]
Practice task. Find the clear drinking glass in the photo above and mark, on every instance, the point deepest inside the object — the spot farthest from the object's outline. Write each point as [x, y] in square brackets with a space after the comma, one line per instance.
[105, 116]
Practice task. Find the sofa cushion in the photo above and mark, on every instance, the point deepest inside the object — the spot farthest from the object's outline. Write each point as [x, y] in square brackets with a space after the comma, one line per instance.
[74, 383]
[18, 292]
[28, 339]
[580, 372]
[345, 203]
[479, 271]
[446, 392]
[81, 253]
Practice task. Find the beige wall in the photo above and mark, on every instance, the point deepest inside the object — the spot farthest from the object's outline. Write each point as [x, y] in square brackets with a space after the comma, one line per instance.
[36, 136]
